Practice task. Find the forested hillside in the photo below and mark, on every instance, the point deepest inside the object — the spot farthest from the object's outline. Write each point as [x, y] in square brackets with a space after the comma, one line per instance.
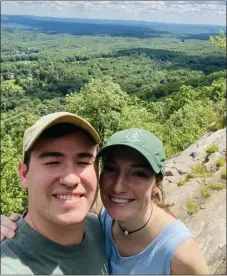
[171, 82]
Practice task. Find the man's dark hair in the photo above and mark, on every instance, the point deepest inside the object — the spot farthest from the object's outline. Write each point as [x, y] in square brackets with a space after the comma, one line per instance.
[54, 132]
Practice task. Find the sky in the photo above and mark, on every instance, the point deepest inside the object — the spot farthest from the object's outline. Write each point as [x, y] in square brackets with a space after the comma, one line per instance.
[183, 12]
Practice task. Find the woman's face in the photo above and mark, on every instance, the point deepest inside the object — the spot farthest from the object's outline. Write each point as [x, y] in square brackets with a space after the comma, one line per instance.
[126, 183]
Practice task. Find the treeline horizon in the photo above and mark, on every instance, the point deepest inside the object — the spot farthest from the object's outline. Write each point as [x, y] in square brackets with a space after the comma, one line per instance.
[108, 27]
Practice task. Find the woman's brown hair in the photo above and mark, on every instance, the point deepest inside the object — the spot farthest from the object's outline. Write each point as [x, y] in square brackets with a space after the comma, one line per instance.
[159, 195]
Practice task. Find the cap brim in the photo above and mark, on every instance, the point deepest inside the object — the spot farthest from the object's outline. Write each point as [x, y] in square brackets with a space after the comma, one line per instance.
[139, 149]
[66, 118]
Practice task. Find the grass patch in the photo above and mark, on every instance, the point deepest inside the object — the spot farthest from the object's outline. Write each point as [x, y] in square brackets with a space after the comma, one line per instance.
[192, 207]
[212, 148]
[182, 182]
[223, 173]
[205, 191]
[199, 170]
[217, 186]
[220, 162]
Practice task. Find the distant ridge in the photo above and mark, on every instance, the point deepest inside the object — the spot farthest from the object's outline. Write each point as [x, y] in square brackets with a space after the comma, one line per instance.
[148, 28]
[113, 21]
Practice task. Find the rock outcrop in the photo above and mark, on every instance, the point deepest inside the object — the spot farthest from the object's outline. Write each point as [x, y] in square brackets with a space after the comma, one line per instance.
[205, 191]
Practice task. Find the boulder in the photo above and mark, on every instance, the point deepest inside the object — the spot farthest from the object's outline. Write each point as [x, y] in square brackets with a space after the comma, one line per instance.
[171, 171]
[183, 169]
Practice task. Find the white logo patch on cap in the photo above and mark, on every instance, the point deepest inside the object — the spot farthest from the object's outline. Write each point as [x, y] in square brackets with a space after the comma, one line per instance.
[134, 135]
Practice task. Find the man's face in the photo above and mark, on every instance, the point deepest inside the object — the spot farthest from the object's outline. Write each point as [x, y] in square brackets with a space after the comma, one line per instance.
[62, 178]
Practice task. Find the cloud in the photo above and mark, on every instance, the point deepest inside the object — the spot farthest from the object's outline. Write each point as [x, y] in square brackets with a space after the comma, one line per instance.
[145, 10]
[140, 6]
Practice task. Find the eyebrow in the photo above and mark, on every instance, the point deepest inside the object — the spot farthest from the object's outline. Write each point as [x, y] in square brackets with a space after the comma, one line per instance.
[140, 166]
[85, 155]
[50, 154]
[59, 154]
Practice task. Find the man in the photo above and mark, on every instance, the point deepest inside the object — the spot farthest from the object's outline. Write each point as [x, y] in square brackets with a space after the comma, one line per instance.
[60, 172]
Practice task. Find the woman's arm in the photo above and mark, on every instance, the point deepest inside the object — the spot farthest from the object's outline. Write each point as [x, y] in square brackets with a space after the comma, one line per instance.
[8, 226]
[189, 260]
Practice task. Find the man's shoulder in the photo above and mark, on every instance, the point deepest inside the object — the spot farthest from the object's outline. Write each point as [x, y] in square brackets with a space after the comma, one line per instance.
[10, 246]
[95, 238]
[7, 246]
[94, 229]
[8, 251]
[92, 220]
[13, 266]
[93, 217]
[10, 261]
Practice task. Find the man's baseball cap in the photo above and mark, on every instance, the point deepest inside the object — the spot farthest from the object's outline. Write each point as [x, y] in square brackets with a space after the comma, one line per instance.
[32, 133]
[142, 141]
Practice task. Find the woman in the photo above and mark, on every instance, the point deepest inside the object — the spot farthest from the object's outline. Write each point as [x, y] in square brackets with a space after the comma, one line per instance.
[141, 235]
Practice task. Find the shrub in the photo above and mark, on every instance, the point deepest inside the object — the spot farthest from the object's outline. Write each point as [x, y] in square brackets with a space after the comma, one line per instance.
[217, 186]
[182, 182]
[198, 170]
[212, 148]
[219, 113]
[220, 162]
[192, 207]
[212, 127]
[205, 191]
[13, 197]
[223, 173]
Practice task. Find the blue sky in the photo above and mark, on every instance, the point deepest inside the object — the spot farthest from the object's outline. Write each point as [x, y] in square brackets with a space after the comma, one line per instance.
[186, 12]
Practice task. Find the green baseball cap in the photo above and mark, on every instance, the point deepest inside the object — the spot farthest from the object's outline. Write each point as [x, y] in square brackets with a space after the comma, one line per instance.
[145, 142]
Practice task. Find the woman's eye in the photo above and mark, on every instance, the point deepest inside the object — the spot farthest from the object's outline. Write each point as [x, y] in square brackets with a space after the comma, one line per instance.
[108, 169]
[140, 174]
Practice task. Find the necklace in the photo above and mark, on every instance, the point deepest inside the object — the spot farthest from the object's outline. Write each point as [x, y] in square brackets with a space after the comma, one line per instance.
[130, 232]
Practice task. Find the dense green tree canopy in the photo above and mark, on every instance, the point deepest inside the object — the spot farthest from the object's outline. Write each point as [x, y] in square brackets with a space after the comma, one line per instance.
[172, 85]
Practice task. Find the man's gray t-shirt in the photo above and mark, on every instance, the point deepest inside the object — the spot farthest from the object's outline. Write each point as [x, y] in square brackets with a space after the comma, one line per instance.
[31, 253]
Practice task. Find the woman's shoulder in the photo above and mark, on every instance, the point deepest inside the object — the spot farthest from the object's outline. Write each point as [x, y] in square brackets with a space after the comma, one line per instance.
[167, 227]
[168, 233]
[188, 259]
[177, 226]
[172, 235]
[180, 248]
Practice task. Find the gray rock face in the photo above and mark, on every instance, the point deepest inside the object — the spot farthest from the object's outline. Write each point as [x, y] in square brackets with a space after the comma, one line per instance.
[179, 196]
[209, 228]
[208, 224]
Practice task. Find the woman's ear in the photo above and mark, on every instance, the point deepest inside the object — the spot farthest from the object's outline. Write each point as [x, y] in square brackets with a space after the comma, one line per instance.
[156, 192]
[23, 171]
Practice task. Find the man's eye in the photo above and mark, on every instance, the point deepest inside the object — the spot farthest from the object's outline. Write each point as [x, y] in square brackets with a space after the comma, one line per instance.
[52, 163]
[84, 163]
